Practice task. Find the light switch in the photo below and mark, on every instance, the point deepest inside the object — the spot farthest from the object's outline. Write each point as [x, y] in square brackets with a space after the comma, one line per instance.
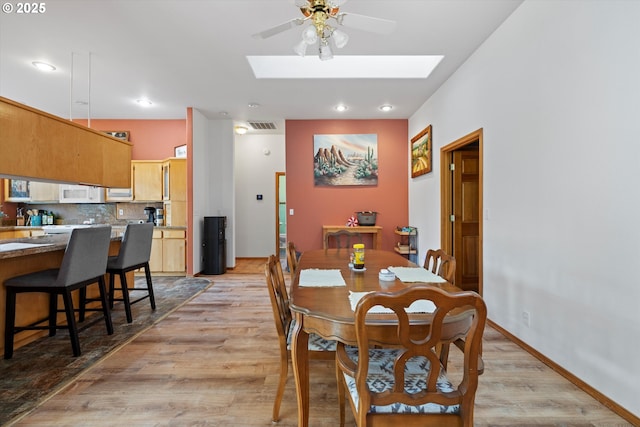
[290, 211]
[258, 196]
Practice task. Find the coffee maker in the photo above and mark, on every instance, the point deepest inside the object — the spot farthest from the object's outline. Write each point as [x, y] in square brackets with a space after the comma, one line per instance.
[151, 214]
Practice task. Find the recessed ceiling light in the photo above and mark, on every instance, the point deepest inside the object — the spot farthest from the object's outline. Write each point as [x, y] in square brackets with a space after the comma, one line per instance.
[385, 107]
[43, 66]
[341, 107]
[224, 113]
[240, 130]
[144, 102]
[254, 105]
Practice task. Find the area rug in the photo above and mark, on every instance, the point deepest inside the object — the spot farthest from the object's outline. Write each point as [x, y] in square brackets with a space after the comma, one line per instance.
[43, 367]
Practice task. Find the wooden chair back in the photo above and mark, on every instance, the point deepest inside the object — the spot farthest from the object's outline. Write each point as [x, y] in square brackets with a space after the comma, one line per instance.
[292, 259]
[411, 369]
[441, 263]
[341, 239]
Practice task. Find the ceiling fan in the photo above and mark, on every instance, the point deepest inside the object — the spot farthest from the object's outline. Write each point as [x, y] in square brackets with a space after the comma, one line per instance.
[324, 15]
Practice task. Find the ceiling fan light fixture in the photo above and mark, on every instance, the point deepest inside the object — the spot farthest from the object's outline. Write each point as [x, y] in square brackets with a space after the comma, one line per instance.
[340, 38]
[325, 52]
[341, 107]
[300, 48]
[385, 107]
[309, 35]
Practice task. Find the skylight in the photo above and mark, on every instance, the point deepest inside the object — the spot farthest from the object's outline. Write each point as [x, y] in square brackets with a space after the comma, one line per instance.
[344, 67]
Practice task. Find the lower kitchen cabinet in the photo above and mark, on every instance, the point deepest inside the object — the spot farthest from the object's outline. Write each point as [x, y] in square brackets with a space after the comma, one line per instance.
[168, 251]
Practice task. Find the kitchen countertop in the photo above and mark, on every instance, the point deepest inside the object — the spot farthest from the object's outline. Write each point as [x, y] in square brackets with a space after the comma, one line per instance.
[53, 242]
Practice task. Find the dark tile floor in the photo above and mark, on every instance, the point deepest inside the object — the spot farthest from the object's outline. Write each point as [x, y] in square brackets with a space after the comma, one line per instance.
[46, 365]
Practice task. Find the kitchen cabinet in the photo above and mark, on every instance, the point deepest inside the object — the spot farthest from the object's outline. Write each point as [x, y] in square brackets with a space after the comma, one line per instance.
[44, 192]
[174, 179]
[38, 145]
[168, 251]
[16, 234]
[146, 180]
[155, 261]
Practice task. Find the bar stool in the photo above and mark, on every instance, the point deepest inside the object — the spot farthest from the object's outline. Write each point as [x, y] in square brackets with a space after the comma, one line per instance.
[84, 263]
[135, 252]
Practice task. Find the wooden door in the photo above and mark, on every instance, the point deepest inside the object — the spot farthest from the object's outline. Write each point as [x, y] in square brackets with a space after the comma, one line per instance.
[466, 217]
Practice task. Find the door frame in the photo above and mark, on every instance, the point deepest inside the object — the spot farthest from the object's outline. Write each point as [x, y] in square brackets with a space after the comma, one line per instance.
[446, 196]
[278, 175]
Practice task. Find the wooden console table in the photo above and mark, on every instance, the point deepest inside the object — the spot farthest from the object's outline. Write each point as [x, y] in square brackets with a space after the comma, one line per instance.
[374, 230]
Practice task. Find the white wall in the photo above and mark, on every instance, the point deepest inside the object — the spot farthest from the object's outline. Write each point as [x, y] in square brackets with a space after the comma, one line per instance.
[255, 174]
[557, 91]
[213, 181]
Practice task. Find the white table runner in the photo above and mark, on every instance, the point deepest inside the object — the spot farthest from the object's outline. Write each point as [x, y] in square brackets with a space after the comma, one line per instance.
[315, 277]
[416, 274]
[420, 306]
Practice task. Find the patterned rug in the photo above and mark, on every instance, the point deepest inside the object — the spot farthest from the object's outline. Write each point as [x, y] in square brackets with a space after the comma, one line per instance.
[43, 367]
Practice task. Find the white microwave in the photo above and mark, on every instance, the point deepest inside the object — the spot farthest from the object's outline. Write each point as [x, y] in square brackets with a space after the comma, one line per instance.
[81, 194]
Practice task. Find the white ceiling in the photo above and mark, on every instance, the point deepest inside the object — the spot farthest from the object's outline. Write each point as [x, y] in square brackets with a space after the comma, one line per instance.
[192, 53]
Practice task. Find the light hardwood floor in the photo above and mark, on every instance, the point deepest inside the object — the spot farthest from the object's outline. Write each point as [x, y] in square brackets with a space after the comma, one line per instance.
[214, 362]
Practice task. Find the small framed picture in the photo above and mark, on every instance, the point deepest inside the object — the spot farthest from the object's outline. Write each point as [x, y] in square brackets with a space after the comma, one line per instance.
[180, 151]
[120, 134]
[17, 190]
[421, 147]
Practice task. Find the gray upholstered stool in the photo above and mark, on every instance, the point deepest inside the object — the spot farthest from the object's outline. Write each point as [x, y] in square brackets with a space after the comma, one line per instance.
[135, 252]
[84, 263]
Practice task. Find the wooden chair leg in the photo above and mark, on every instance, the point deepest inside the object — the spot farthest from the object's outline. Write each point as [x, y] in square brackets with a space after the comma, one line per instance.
[82, 303]
[284, 372]
[9, 323]
[341, 394]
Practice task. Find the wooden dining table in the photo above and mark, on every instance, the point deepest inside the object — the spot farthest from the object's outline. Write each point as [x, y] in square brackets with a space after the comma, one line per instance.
[326, 310]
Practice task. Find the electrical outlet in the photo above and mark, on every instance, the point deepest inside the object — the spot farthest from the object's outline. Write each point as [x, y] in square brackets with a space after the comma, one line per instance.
[526, 318]
[290, 211]
[120, 212]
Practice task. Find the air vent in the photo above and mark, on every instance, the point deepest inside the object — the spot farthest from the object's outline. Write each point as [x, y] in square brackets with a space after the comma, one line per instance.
[262, 125]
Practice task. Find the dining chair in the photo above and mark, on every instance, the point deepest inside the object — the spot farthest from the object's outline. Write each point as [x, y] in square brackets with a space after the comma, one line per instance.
[404, 383]
[292, 259]
[341, 239]
[441, 263]
[319, 348]
[84, 263]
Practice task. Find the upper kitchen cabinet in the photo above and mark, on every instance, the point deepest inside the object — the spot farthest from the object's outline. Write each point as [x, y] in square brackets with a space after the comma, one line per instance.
[38, 145]
[174, 179]
[147, 180]
[44, 192]
[16, 190]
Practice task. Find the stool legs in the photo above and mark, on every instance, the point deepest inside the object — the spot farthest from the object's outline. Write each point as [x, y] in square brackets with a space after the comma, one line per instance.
[124, 287]
[9, 323]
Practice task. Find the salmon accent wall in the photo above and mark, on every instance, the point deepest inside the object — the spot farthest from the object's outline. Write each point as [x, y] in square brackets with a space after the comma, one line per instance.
[151, 139]
[317, 206]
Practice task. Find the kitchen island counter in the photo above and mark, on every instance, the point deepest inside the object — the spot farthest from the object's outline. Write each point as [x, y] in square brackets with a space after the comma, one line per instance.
[33, 307]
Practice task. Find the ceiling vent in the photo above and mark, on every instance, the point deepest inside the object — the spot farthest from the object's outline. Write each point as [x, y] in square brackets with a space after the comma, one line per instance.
[262, 125]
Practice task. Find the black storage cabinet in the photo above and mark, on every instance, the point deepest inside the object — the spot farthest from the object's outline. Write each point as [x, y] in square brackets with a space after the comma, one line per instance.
[215, 245]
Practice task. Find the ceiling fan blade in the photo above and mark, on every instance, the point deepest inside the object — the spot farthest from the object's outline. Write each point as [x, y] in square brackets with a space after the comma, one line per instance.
[278, 28]
[366, 23]
[301, 3]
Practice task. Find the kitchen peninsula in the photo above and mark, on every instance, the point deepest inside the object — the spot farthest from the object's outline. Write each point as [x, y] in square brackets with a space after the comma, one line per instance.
[29, 254]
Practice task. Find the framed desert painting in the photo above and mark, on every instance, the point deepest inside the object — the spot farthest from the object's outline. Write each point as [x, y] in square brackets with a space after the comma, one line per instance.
[345, 159]
[421, 148]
